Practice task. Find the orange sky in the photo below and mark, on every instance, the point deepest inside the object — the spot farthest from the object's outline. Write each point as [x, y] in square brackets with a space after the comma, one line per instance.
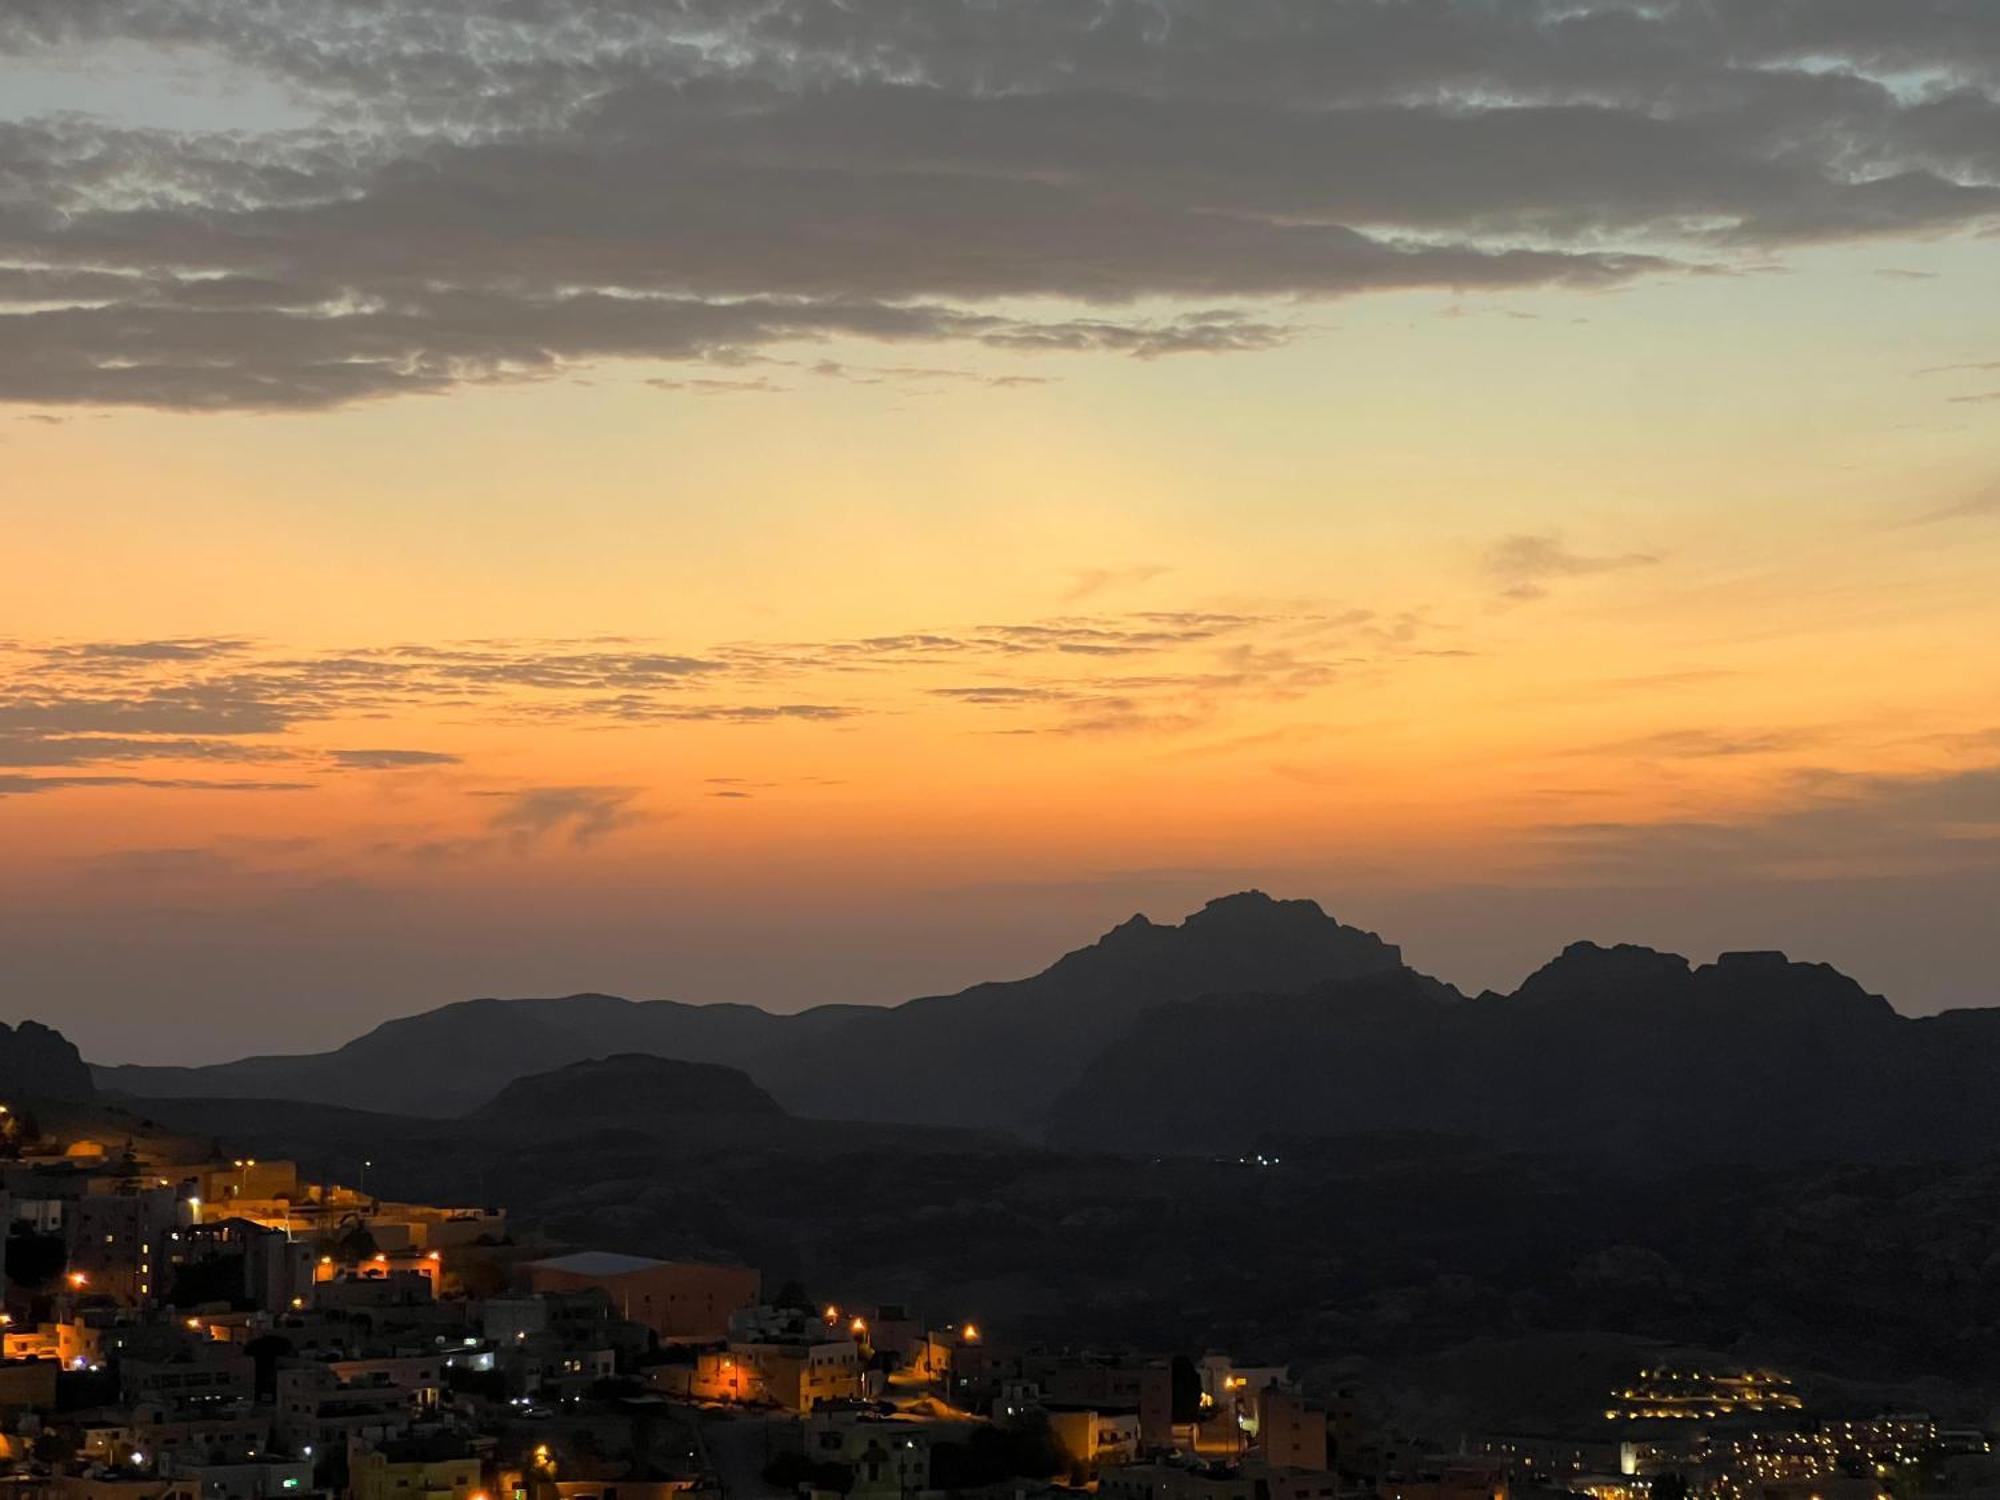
[837, 665]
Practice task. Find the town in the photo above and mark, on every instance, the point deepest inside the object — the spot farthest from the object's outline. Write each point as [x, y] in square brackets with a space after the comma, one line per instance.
[227, 1330]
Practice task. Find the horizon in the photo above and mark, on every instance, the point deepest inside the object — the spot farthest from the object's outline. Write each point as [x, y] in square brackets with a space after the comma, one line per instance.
[790, 503]
[1694, 962]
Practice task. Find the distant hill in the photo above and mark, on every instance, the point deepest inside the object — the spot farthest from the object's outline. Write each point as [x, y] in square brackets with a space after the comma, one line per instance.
[991, 1057]
[38, 1062]
[1622, 1053]
[631, 1088]
[443, 1062]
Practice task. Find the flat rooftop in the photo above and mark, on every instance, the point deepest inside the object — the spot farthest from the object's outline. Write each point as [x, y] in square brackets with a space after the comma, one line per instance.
[598, 1263]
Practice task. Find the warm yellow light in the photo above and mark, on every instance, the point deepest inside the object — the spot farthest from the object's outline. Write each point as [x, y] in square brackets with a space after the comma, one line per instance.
[77, 1278]
[972, 1333]
[859, 1325]
[194, 1322]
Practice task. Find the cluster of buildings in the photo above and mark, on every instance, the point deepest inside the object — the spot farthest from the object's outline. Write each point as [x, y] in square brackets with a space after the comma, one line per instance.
[1743, 1434]
[228, 1331]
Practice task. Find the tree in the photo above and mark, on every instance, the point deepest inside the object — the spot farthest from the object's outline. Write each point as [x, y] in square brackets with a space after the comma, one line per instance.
[35, 1260]
[355, 1243]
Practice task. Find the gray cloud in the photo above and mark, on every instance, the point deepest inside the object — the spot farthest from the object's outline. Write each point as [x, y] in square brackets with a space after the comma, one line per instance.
[18, 749]
[1827, 822]
[1706, 744]
[583, 814]
[1523, 565]
[1986, 503]
[503, 189]
[28, 786]
[389, 760]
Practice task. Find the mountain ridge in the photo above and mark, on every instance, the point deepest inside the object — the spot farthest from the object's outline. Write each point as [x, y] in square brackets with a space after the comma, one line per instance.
[1277, 1018]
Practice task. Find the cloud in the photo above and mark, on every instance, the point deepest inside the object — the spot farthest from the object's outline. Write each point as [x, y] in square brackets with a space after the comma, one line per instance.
[199, 648]
[390, 760]
[1972, 507]
[1524, 564]
[833, 369]
[760, 386]
[28, 786]
[1821, 823]
[35, 749]
[73, 705]
[1707, 744]
[584, 814]
[1089, 582]
[505, 189]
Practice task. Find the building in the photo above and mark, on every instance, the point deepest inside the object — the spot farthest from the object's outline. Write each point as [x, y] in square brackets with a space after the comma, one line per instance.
[118, 1240]
[27, 1384]
[443, 1467]
[241, 1260]
[1094, 1438]
[1105, 1383]
[148, 1432]
[890, 1457]
[199, 1375]
[1449, 1479]
[258, 1479]
[1291, 1432]
[676, 1299]
[1167, 1481]
[315, 1413]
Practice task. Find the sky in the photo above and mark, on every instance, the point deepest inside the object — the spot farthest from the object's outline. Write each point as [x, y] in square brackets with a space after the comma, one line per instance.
[784, 501]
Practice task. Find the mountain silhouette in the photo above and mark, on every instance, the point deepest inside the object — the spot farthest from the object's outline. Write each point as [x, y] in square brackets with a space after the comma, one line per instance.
[39, 1062]
[1624, 1053]
[1253, 1020]
[446, 1061]
[994, 1056]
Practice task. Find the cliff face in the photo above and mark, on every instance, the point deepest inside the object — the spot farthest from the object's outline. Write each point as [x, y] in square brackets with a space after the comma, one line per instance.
[1622, 1054]
[39, 1062]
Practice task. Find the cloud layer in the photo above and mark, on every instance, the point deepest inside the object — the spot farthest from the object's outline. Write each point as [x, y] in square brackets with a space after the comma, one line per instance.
[120, 705]
[507, 188]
